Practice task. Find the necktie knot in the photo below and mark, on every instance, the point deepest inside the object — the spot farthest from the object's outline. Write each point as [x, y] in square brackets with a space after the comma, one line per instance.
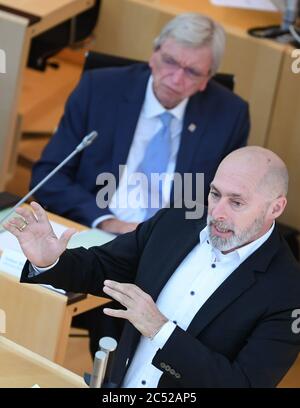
[166, 118]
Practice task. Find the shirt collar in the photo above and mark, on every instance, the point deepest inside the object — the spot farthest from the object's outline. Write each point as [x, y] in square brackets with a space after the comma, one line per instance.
[152, 107]
[240, 253]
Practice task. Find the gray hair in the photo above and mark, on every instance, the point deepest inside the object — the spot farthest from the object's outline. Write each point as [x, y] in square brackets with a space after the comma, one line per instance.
[195, 30]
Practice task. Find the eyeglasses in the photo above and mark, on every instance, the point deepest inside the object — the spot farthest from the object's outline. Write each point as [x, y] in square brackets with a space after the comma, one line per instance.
[172, 65]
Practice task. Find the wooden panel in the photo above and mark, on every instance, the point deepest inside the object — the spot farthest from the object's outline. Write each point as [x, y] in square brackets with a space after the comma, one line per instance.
[34, 315]
[229, 16]
[21, 368]
[15, 42]
[292, 377]
[256, 77]
[51, 12]
[284, 133]
[41, 8]
[121, 20]
[119, 23]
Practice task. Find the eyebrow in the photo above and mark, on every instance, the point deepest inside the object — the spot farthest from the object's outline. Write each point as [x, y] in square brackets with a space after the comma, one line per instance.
[234, 195]
[191, 67]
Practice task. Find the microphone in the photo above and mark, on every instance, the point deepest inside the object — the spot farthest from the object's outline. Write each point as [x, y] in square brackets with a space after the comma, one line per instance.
[86, 141]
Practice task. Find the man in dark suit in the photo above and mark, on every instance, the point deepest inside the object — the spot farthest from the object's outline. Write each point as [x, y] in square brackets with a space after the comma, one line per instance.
[206, 303]
[124, 105]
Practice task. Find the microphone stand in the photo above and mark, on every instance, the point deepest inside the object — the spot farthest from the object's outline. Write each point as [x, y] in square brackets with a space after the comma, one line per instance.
[108, 345]
[87, 140]
[103, 361]
[97, 376]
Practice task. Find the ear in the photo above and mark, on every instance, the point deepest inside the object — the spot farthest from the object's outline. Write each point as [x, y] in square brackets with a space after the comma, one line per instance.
[277, 207]
[203, 84]
[152, 59]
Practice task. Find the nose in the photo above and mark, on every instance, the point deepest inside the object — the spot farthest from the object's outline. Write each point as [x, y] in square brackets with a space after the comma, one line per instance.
[178, 75]
[219, 211]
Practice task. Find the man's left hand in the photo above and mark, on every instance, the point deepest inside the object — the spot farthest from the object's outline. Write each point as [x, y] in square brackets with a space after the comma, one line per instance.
[141, 310]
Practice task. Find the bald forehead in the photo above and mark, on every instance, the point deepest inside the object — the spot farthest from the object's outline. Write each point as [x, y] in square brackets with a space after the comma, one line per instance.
[260, 167]
[254, 158]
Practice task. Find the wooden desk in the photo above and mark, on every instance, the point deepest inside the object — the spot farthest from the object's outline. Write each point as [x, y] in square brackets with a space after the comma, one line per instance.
[21, 368]
[38, 318]
[255, 63]
[228, 16]
[21, 20]
[283, 135]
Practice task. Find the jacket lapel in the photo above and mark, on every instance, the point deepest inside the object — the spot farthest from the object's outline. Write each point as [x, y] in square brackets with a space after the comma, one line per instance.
[238, 282]
[128, 112]
[193, 137]
[170, 257]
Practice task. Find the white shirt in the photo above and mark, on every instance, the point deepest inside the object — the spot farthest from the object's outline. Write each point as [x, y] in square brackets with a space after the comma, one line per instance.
[190, 286]
[147, 126]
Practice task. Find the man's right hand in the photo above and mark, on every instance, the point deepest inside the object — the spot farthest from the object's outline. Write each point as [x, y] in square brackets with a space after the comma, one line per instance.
[116, 226]
[36, 237]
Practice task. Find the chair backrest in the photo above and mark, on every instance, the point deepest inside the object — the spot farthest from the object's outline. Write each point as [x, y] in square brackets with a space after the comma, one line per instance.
[67, 33]
[99, 60]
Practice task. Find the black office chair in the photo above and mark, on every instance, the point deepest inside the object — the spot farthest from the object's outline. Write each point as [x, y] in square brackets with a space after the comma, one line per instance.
[95, 60]
[68, 33]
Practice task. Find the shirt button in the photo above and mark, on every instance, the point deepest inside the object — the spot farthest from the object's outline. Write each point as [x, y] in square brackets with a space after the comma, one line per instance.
[174, 321]
[213, 265]
[192, 293]
[143, 382]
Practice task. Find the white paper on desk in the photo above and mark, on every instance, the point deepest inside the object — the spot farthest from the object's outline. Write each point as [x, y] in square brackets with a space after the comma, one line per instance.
[89, 238]
[264, 5]
[12, 262]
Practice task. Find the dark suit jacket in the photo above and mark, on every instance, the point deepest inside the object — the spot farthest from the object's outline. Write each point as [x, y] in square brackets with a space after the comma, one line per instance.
[241, 337]
[110, 101]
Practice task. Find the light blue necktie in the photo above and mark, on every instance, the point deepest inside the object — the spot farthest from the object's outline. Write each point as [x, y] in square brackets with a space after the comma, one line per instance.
[156, 157]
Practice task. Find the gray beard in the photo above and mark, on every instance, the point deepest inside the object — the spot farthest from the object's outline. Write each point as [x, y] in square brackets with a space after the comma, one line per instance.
[236, 240]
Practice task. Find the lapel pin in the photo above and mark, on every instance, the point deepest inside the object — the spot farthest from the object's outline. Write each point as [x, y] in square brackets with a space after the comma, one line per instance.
[192, 127]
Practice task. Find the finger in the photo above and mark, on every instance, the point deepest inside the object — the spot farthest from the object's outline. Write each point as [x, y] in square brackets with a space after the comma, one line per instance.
[40, 213]
[12, 228]
[129, 289]
[120, 287]
[118, 296]
[26, 214]
[122, 314]
[65, 237]
[17, 222]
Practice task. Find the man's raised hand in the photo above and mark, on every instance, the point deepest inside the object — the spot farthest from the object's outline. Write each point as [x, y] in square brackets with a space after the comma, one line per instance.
[36, 237]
